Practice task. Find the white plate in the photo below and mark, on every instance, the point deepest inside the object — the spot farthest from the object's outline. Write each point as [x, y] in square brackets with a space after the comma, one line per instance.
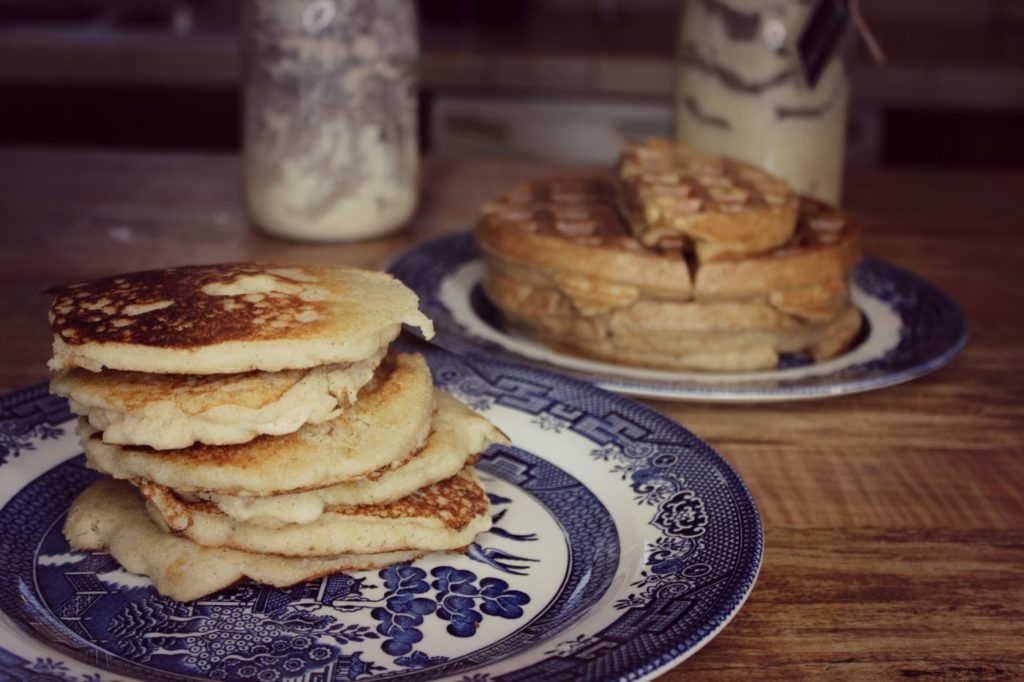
[911, 328]
[622, 544]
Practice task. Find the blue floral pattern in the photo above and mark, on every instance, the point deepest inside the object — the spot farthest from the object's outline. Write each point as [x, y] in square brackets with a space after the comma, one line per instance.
[29, 418]
[430, 618]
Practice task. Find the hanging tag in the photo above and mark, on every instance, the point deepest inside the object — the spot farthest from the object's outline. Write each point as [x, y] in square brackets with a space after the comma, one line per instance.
[821, 37]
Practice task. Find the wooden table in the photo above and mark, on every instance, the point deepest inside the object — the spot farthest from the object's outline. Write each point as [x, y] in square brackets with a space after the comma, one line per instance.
[894, 519]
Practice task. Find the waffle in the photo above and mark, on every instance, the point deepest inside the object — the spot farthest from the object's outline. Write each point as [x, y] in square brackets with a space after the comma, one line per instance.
[562, 267]
[721, 336]
[720, 351]
[712, 206]
[824, 247]
[571, 232]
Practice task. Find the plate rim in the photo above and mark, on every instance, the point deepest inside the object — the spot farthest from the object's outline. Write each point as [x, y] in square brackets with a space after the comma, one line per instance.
[672, 658]
[745, 576]
[721, 393]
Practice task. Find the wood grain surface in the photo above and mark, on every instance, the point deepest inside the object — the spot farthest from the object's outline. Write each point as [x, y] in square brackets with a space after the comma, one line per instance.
[894, 519]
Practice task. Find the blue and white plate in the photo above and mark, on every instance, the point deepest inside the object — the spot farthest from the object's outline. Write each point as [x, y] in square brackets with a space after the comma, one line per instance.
[621, 544]
[910, 328]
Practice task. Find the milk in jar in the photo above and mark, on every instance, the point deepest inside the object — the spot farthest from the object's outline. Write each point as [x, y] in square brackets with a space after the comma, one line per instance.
[330, 149]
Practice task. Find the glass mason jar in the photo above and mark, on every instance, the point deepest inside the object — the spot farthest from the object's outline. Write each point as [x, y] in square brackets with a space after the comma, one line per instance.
[741, 92]
[330, 150]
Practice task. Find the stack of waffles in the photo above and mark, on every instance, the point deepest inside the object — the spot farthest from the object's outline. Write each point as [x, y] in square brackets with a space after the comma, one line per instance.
[682, 261]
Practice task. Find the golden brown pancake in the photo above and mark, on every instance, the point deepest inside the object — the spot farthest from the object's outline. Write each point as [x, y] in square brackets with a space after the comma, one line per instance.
[457, 436]
[442, 516]
[110, 516]
[230, 318]
[171, 411]
[388, 421]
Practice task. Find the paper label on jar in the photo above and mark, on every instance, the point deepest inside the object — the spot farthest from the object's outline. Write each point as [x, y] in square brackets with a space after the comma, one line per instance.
[821, 36]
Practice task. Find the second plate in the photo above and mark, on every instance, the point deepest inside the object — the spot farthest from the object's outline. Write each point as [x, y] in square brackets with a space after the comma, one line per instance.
[911, 328]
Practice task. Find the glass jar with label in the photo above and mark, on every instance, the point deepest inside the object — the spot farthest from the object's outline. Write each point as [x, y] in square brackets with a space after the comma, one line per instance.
[330, 149]
[741, 92]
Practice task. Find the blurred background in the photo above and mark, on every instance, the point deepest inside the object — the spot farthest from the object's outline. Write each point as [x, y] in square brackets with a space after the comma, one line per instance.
[563, 80]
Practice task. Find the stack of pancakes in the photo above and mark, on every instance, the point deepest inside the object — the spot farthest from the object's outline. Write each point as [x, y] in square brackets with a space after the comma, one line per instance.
[254, 422]
[682, 261]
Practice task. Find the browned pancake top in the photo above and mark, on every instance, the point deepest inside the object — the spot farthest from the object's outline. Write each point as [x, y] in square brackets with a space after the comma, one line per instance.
[191, 306]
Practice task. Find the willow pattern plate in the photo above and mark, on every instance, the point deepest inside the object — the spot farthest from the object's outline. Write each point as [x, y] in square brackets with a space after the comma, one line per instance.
[910, 328]
[621, 544]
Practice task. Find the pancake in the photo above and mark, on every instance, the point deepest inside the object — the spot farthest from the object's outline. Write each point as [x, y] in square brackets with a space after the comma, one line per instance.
[231, 318]
[442, 516]
[171, 411]
[390, 419]
[109, 516]
[457, 435]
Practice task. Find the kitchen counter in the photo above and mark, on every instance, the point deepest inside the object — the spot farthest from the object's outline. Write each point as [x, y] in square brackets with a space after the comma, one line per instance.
[894, 519]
